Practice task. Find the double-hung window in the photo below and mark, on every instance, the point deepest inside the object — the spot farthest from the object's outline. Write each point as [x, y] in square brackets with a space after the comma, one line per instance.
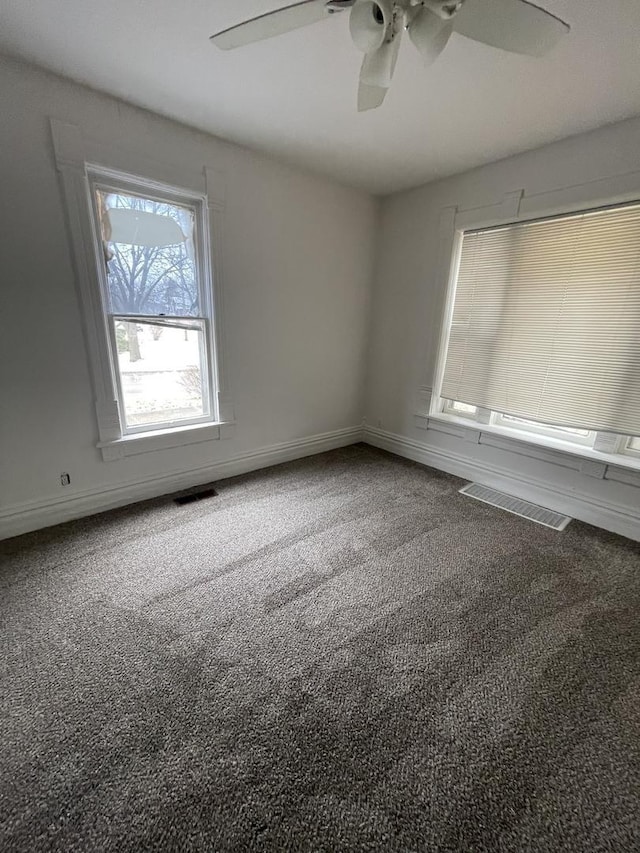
[149, 283]
[152, 255]
[543, 329]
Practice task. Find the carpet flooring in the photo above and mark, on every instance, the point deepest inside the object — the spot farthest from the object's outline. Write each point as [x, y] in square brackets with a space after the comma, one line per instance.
[339, 653]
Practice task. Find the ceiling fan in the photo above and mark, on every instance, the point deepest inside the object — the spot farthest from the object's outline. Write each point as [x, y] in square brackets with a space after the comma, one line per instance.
[376, 28]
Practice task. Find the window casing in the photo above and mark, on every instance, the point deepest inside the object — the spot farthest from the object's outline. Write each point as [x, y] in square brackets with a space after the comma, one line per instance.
[591, 442]
[156, 299]
[84, 158]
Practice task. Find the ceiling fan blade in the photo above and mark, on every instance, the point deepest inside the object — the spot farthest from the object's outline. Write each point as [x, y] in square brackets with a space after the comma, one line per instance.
[370, 97]
[378, 66]
[273, 24]
[429, 34]
[514, 25]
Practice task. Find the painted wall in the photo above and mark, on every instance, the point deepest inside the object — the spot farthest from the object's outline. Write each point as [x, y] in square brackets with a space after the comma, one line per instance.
[306, 353]
[408, 301]
[297, 260]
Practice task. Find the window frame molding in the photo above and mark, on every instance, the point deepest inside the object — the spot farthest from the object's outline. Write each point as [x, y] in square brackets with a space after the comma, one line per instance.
[108, 179]
[78, 157]
[514, 207]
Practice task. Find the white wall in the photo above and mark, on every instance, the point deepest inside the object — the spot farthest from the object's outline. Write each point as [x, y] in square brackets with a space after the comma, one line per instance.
[408, 301]
[299, 255]
[297, 259]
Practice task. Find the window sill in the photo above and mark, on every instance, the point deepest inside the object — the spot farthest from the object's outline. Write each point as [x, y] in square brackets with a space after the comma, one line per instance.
[162, 439]
[531, 441]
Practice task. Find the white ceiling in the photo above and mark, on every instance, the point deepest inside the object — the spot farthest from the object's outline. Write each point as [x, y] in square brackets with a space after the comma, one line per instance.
[294, 96]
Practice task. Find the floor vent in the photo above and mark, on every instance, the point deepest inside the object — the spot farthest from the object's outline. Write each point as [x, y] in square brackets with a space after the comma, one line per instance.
[516, 506]
[192, 497]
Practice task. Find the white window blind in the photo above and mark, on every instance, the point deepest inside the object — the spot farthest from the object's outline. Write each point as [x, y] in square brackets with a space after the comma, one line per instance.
[546, 321]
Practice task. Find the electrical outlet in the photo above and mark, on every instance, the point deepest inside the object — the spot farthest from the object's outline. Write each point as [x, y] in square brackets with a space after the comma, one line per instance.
[65, 479]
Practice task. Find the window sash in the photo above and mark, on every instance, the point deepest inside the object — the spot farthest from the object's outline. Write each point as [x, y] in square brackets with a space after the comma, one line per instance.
[633, 446]
[199, 324]
[107, 181]
[134, 189]
[571, 434]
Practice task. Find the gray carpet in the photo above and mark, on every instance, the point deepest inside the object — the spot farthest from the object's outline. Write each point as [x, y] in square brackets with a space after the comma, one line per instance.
[340, 653]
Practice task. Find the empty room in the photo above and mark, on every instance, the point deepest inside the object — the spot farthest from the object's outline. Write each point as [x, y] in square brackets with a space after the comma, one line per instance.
[320, 426]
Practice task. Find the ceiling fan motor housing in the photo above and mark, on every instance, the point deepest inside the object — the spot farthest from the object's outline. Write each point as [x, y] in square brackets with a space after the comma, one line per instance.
[371, 23]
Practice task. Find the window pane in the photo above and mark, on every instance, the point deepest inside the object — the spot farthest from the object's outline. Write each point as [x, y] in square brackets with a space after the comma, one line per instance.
[463, 407]
[523, 422]
[162, 373]
[634, 444]
[149, 255]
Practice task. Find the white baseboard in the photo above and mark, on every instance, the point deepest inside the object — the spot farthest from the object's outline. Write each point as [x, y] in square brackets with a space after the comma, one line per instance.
[34, 515]
[611, 516]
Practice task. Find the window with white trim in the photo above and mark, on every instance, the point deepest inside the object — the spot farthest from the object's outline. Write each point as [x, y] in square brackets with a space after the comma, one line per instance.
[543, 330]
[152, 255]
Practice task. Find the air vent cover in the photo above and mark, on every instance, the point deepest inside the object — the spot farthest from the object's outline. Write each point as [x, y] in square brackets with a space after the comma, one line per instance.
[192, 497]
[524, 509]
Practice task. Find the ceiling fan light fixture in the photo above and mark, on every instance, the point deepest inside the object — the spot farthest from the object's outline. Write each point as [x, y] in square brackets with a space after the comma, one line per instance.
[370, 22]
[429, 34]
